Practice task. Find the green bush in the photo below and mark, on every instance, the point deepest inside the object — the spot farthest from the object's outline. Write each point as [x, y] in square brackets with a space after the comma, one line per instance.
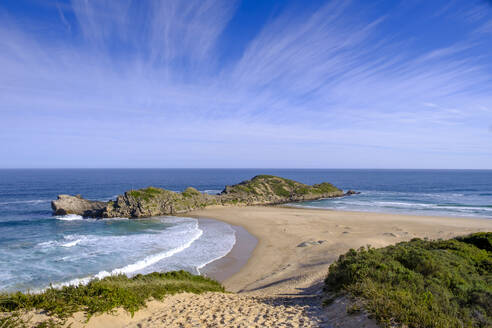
[105, 295]
[146, 194]
[324, 188]
[444, 283]
[190, 192]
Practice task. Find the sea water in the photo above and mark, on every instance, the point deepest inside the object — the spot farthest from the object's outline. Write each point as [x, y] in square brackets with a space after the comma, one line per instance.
[38, 249]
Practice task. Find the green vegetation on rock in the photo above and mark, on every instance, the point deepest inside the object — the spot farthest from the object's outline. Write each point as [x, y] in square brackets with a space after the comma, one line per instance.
[269, 189]
[105, 295]
[444, 283]
[146, 194]
[324, 188]
[156, 201]
[152, 201]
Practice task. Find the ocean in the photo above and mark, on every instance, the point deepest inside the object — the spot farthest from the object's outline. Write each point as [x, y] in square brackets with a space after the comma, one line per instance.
[38, 249]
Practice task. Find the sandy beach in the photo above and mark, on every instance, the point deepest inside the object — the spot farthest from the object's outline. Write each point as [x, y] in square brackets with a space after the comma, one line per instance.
[280, 264]
[280, 284]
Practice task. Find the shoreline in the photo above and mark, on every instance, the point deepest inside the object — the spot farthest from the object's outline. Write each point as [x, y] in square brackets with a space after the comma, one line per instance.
[284, 270]
[226, 267]
[438, 215]
[278, 263]
[231, 263]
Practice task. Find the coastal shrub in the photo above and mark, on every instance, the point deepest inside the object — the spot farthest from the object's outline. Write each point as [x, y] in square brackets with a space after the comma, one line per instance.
[302, 191]
[482, 240]
[107, 294]
[279, 190]
[324, 188]
[245, 188]
[146, 194]
[443, 283]
[190, 192]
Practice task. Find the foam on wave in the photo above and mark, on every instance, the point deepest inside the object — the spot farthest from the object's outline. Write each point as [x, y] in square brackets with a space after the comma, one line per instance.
[31, 202]
[201, 266]
[69, 217]
[137, 266]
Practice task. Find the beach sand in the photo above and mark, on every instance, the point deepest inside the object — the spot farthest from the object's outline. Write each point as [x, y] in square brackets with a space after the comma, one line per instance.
[280, 284]
[278, 263]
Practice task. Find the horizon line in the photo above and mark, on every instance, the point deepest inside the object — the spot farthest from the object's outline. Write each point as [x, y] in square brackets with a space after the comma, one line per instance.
[238, 168]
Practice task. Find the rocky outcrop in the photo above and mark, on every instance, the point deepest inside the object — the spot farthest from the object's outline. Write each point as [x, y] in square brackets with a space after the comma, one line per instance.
[66, 204]
[270, 190]
[155, 201]
[151, 201]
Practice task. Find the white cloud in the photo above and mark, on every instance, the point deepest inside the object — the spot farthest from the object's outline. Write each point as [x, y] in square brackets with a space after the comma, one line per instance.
[329, 80]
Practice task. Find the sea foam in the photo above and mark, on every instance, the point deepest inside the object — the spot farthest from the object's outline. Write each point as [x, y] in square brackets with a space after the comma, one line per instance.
[130, 269]
[69, 217]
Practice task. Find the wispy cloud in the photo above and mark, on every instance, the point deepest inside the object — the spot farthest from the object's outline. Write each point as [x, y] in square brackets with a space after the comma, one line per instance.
[338, 85]
[63, 19]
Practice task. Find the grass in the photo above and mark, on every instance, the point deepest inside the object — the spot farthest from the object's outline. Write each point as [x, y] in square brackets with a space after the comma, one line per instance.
[190, 192]
[444, 283]
[105, 295]
[247, 188]
[324, 188]
[13, 320]
[278, 188]
[146, 194]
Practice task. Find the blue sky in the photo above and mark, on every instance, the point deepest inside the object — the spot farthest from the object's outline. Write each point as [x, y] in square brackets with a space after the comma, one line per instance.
[286, 84]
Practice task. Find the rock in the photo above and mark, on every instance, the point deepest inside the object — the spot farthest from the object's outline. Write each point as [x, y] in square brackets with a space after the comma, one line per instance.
[156, 201]
[66, 204]
[151, 201]
[352, 192]
[271, 190]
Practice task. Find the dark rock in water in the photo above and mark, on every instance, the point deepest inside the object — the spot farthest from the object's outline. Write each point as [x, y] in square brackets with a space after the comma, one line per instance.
[352, 192]
[261, 190]
[66, 204]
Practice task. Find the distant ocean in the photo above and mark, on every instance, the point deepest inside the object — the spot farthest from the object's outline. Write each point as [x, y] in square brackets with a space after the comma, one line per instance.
[37, 249]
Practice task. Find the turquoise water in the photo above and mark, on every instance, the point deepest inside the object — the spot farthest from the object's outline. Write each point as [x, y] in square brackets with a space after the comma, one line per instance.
[37, 249]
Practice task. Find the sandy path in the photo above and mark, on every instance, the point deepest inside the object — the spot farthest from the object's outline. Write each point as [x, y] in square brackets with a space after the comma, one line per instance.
[226, 310]
[231, 310]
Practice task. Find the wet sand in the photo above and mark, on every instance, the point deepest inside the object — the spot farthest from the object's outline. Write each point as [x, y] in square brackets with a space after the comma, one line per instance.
[232, 263]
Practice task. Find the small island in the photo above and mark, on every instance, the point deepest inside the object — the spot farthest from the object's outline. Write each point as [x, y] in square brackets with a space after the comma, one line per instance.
[152, 201]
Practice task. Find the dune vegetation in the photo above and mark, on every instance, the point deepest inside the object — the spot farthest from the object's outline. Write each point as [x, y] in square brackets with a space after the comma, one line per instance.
[104, 295]
[420, 283]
